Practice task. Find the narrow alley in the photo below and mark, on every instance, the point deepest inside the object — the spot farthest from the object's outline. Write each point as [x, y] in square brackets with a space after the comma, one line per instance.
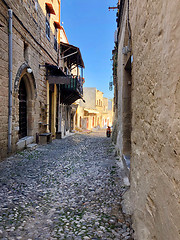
[69, 189]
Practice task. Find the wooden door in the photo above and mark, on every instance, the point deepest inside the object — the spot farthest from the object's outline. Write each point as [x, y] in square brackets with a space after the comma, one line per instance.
[22, 110]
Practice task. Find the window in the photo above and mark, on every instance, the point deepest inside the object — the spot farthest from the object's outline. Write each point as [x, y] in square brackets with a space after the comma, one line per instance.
[55, 39]
[48, 26]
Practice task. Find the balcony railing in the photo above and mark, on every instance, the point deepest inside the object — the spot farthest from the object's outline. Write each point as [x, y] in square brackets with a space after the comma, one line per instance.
[76, 84]
[73, 91]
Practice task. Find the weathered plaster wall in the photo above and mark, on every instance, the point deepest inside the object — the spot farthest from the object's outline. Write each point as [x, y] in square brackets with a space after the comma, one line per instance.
[89, 95]
[155, 163]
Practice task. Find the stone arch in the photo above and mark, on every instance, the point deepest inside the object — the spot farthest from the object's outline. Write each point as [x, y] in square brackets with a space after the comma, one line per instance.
[28, 80]
[32, 83]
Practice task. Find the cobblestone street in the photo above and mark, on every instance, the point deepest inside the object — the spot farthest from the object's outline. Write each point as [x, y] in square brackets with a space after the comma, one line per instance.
[69, 189]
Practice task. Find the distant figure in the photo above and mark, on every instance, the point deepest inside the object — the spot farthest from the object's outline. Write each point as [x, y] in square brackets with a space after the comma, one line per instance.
[108, 131]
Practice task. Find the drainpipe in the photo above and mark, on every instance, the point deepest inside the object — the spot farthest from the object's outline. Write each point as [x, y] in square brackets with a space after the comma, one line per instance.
[129, 30]
[10, 13]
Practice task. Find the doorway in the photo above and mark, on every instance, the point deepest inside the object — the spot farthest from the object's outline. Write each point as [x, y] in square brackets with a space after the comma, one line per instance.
[25, 95]
[126, 94]
[22, 109]
[50, 109]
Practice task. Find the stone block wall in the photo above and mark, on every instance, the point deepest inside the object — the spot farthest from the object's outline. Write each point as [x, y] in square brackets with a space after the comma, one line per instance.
[4, 81]
[123, 119]
[31, 47]
[155, 139]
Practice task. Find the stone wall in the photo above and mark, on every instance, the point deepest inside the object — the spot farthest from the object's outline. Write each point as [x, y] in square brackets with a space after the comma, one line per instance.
[30, 47]
[4, 81]
[155, 161]
[123, 108]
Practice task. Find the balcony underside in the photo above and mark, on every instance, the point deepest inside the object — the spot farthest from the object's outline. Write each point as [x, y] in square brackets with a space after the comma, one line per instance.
[69, 96]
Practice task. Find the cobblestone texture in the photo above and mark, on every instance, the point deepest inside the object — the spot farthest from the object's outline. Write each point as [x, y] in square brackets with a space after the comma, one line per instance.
[69, 189]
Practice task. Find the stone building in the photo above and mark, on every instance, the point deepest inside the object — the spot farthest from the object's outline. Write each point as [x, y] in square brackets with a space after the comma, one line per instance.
[94, 111]
[72, 64]
[147, 113]
[31, 74]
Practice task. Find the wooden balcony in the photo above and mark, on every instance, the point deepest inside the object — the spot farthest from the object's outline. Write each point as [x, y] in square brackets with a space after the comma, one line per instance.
[73, 91]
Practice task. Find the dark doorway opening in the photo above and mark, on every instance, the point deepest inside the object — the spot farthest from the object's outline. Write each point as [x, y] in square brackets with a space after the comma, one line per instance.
[72, 122]
[50, 108]
[22, 109]
[57, 109]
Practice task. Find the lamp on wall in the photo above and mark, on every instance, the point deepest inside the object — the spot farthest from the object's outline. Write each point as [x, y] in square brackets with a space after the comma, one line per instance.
[29, 70]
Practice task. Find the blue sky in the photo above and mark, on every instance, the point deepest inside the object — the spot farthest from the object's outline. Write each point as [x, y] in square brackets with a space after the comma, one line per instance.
[90, 26]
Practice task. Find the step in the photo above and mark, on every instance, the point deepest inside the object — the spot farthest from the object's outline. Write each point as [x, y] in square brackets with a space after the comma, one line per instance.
[31, 146]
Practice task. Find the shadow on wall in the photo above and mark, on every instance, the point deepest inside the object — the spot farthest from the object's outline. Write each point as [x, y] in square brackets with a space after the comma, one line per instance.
[114, 132]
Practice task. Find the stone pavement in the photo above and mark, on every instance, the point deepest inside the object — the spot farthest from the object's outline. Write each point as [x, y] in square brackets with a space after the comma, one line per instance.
[69, 189]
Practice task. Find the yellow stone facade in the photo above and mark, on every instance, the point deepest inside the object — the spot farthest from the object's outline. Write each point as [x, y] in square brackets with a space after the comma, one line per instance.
[95, 112]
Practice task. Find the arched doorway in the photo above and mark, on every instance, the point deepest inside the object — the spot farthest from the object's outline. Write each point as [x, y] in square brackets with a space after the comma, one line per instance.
[25, 95]
[22, 109]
